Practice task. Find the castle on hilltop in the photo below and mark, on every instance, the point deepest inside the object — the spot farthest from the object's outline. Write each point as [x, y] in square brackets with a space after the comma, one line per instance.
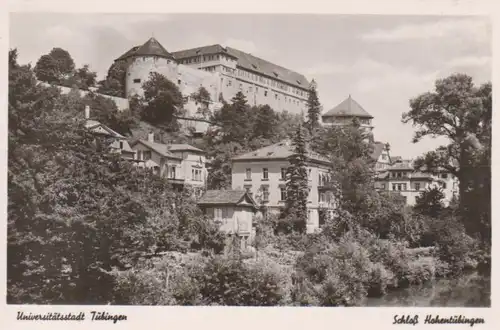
[222, 71]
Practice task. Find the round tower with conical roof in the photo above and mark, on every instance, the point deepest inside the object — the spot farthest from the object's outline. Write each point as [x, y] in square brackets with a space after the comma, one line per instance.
[142, 61]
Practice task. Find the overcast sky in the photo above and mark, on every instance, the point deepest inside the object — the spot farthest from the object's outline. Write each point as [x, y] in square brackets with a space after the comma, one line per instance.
[382, 61]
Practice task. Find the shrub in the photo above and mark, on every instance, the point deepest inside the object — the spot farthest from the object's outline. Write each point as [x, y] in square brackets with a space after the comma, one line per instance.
[230, 282]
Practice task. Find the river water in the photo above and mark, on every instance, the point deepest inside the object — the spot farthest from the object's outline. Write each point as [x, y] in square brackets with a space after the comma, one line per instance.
[468, 290]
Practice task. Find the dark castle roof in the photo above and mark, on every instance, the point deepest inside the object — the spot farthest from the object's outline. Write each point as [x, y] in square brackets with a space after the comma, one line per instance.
[151, 48]
[244, 60]
[348, 108]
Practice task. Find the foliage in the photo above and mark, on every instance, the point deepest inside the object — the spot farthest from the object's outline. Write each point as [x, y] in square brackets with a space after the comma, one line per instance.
[229, 282]
[55, 66]
[461, 112]
[297, 189]
[313, 109]
[351, 166]
[114, 84]
[82, 78]
[430, 202]
[162, 102]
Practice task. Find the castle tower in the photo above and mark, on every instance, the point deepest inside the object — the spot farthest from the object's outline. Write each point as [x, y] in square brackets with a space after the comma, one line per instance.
[143, 60]
[347, 111]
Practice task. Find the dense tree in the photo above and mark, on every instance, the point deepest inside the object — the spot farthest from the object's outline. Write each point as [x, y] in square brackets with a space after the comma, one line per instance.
[297, 189]
[313, 109]
[461, 112]
[114, 84]
[430, 202]
[75, 211]
[266, 121]
[162, 102]
[233, 119]
[55, 67]
[83, 78]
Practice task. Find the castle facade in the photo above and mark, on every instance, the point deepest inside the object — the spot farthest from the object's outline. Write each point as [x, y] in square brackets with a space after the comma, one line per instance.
[222, 71]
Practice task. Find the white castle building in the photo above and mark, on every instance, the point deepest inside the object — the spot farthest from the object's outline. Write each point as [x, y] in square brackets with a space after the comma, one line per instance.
[222, 71]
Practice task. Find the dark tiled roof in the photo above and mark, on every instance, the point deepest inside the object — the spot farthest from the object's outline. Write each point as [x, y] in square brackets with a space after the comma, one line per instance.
[205, 50]
[249, 62]
[280, 150]
[128, 53]
[224, 197]
[160, 148]
[347, 108]
[253, 63]
[183, 147]
[151, 48]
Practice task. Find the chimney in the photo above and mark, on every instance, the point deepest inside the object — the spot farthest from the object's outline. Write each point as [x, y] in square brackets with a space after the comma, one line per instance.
[87, 112]
[151, 137]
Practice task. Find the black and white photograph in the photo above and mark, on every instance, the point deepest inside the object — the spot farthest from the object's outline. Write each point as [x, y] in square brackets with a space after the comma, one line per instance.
[215, 159]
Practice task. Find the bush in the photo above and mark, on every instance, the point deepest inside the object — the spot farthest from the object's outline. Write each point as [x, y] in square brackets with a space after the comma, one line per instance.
[229, 282]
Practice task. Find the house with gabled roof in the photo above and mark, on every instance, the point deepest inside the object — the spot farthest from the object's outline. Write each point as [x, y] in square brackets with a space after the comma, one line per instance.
[233, 211]
[262, 173]
[180, 164]
[401, 177]
[118, 144]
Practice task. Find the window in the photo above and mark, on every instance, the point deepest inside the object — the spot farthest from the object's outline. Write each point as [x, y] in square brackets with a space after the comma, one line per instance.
[309, 174]
[248, 174]
[393, 186]
[382, 186]
[265, 194]
[399, 187]
[417, 186]
[137, 81]
[265, 173]
[196, 174]
[248, 190]
[171, 172]
[121, 144]
[444, 176]
[265, 93]
[229, 82]
[322, 197]
[443, 184]
[283, 193]
[178, 81]
[218, 214]
[404, 186]
[276, 96]
[283, 173]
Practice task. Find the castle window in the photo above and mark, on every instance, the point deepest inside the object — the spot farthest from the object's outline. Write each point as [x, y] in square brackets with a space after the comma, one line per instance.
[137, 81]
[178, 81]
[265, 93]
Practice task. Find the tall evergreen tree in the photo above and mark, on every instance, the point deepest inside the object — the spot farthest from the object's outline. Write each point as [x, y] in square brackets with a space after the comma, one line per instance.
[313, 108]
[297, 190]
